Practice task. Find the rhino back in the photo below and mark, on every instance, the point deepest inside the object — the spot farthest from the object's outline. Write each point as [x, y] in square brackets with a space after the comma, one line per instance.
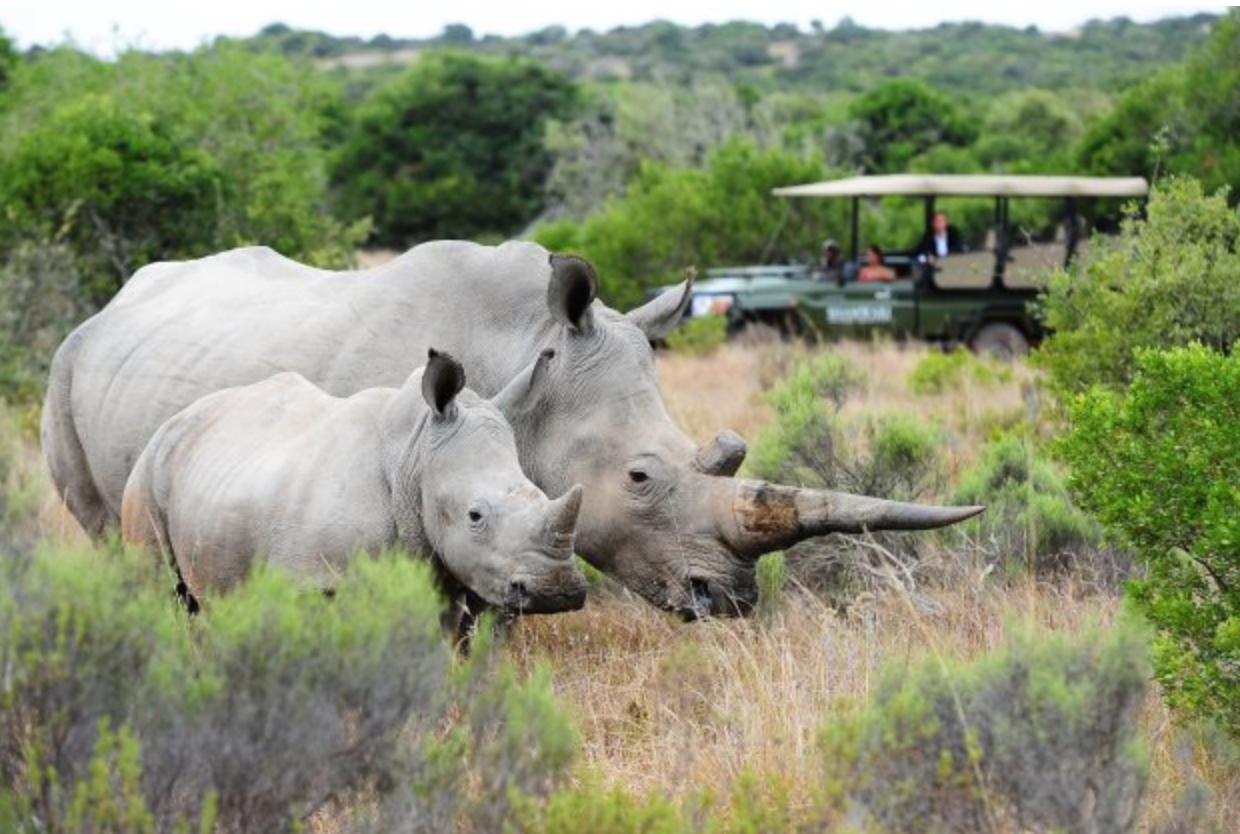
[180, 331]
[278, 472]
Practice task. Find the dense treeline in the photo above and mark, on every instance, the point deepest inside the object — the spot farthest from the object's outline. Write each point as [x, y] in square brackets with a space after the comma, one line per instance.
[964, 59]
[106, 165]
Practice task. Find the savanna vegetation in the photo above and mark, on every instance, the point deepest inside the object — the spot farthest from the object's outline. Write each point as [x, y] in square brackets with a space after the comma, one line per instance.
[1066, 662]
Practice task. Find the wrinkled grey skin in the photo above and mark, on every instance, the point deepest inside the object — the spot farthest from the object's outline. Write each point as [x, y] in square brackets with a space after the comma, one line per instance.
[282, 473]
[663, 517]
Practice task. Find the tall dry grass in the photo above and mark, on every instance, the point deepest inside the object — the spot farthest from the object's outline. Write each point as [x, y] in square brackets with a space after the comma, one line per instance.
[672, 709]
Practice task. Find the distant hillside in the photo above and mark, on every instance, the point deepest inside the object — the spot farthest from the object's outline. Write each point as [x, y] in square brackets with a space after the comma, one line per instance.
[960, 58]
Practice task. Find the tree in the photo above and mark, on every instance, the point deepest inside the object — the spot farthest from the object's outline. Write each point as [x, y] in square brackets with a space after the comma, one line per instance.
[675, 217]
[1159, 464]
[1183, 120]
[1169, 279]
[903, 118]
[452, 148]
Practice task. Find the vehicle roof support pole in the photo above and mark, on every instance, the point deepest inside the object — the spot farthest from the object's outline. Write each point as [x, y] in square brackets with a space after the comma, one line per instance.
[855, 231]
[1073, 221]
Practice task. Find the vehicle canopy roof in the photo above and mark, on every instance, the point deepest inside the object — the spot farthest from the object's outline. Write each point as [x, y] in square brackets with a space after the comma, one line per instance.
[970, 185]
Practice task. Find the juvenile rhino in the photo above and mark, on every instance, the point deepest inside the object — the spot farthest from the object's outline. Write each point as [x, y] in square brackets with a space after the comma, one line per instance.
[282, 472]
[664, 517]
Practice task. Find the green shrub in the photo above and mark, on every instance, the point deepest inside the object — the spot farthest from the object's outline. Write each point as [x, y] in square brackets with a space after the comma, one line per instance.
[79, 636]
[1160, 467]
[807, 443]
[1029, 514]
[798, 446]
[1038, 736]
[1169, 279]
[938, 372]
[271, 703]
[23, 484]
[699, 336]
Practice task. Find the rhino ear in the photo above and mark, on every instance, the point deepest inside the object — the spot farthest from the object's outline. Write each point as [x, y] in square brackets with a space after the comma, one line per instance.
[659, 317]
[524, 387]
[571, 291]
[442, 380]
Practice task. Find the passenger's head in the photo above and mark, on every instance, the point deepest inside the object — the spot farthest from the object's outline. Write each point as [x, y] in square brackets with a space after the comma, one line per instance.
[873, 256]
[830, 251]
[940, 221]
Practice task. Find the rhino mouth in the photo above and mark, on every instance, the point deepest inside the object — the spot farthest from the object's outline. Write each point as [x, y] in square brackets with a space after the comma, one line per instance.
[705, 599]
[550, 589]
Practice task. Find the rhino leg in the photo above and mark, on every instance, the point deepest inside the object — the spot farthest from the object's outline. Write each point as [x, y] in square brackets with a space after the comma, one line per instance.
[66, 459]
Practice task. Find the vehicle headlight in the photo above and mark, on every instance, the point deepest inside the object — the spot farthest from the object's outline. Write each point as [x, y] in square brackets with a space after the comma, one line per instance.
[706, 305]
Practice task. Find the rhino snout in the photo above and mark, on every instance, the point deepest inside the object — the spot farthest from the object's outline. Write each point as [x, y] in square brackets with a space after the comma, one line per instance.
[560, 587]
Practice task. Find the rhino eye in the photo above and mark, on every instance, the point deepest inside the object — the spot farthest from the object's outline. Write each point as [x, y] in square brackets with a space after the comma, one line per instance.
[475, 516]
[637, 476]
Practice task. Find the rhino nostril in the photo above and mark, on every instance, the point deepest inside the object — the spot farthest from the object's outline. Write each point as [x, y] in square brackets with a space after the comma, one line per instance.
[699, 591]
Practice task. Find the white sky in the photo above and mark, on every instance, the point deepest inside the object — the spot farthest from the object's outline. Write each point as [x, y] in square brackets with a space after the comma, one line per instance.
[104, 27]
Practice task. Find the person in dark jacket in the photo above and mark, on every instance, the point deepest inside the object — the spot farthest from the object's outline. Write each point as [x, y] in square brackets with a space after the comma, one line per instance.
[942, 240]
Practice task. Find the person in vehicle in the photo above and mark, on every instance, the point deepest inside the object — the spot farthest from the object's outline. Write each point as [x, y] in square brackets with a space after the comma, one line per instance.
[941, 240]
[830, 267]
[875, 269]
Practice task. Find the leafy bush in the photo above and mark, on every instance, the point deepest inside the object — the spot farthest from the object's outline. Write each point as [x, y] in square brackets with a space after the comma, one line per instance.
[893, 456]
[1028, 512]
[1168, 280]
[1038, 736]
[272, 704]
[1160, 467]
[107, 166]
[23, 484]
[672, 217]
[938, 372]
[452, 148]
[79, 636]
[700, 335]
[808, 443]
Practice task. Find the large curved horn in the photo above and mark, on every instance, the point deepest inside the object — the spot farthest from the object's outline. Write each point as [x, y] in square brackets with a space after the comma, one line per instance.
[763, 517]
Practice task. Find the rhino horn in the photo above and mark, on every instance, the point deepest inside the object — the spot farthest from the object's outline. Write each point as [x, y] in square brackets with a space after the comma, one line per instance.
[562, 520]
[722, 456]
[763, 517]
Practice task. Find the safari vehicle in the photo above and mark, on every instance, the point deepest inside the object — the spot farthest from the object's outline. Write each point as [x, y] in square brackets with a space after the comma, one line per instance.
[977, 298]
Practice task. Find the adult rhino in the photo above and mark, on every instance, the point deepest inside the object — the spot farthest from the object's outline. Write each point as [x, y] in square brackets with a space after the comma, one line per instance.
[666, 519]
[281, 473]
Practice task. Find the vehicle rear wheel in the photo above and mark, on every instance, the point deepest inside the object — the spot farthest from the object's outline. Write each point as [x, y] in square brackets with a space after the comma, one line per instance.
[1000, 340]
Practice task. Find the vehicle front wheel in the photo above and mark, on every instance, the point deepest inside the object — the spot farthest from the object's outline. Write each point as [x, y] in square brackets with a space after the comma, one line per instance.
[1000, 340]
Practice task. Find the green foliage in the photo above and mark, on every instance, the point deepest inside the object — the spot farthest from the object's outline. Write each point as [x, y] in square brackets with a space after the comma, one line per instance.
[1038, 736]
[772, 575]
[1028, 512]
[1159, 465]
[452, 148]
[893, 456]
[1169, 279]
[1031, 131]
[79, 635]
[264, 708]
[699, 336]
[936, 373]
[808, 443]
[798, 446]
[23, 484]
[105, 167]
[122, 191]
[903, 118]
[672, 218]
[1183, 120]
